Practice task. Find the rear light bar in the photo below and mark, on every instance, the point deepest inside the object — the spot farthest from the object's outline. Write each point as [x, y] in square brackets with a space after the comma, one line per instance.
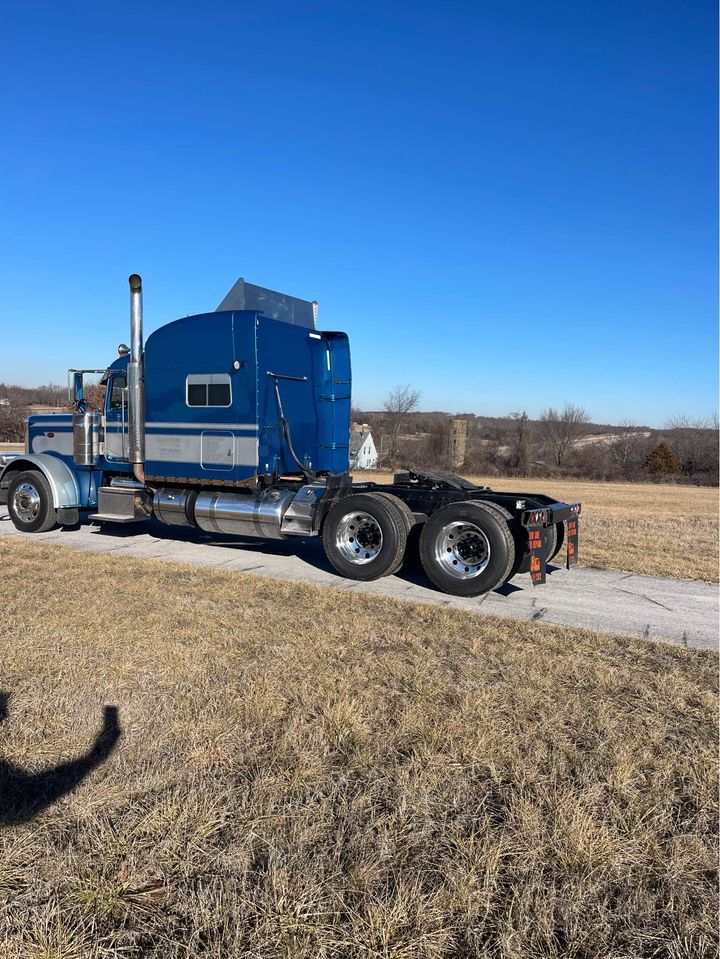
[555, 513]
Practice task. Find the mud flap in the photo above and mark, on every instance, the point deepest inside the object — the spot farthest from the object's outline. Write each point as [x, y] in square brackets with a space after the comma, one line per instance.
[572, 542]
[537, 556]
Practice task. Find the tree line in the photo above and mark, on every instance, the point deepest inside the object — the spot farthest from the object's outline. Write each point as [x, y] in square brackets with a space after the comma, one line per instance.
[561, 442]
[15, 400]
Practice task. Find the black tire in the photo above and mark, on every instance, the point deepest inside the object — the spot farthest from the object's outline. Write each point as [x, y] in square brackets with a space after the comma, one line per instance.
[364, 536]
[30, 503]
[482, 533]
[411, 556]
[401, 507]
[411, 560]
[559, 541]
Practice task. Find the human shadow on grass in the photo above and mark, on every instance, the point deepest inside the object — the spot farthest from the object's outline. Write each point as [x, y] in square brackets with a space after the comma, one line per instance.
[24, 795]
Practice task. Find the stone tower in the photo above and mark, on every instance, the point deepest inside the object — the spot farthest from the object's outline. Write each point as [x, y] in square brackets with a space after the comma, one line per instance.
[457, 442]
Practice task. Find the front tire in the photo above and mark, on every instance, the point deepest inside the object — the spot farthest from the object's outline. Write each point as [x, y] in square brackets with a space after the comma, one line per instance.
[467, 549]
[364, 536]
[30, 503]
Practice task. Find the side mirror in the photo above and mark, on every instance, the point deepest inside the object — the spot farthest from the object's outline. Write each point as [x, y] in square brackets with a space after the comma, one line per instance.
[75, 386]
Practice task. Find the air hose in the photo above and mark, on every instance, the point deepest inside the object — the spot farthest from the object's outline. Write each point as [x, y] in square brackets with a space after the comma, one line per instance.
[308, 473]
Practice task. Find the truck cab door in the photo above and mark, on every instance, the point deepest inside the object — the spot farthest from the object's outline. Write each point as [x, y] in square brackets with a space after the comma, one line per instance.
[116, 419]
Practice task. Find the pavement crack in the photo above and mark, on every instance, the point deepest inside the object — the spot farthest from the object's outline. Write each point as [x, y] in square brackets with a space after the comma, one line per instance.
[648, 599]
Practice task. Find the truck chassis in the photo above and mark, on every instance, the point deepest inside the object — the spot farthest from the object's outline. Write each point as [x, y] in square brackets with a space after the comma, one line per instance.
[468, 539]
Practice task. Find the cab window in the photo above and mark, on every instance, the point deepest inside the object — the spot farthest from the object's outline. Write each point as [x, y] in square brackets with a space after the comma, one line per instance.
[119, 385]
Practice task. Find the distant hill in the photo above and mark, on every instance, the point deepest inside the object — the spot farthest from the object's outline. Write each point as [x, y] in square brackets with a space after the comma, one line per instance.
[476, 423]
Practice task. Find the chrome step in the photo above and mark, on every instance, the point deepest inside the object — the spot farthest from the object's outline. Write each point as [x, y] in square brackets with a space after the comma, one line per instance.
[117, 504]
[112, 518]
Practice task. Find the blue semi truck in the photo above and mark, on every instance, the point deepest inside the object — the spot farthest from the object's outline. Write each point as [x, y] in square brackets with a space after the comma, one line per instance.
[237, 422]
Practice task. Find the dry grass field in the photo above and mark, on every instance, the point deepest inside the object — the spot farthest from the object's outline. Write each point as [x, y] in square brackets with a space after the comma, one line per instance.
[296, 772]
[637, 527]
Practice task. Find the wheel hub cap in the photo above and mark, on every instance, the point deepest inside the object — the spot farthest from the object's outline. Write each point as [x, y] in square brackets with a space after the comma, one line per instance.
[462, 550]
[359, 538]
[26, 502]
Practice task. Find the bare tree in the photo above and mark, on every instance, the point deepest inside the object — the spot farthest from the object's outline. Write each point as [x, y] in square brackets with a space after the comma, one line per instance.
[400, 401]
[12, 421]
[50, 395]
[562, 430]
[696, 443]
[625, 442]
[520, 445]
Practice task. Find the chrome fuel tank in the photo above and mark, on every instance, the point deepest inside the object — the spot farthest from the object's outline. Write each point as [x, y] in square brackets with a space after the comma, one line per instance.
[173, 506]
[243, 514]
[86, 438]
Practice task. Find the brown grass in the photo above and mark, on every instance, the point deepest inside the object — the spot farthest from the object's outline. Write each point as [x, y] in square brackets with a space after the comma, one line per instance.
[635, 527]
[312, 773]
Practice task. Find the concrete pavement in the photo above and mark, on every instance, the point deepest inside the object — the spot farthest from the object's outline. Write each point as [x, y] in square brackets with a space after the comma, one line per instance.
[678, 611]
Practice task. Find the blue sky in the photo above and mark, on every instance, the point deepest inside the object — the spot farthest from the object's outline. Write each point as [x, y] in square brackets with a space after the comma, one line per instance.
[505, 204]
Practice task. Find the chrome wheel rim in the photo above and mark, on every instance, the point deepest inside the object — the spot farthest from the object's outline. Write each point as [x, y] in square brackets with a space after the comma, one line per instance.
[462, 550]
[359, 538]
[26, 503]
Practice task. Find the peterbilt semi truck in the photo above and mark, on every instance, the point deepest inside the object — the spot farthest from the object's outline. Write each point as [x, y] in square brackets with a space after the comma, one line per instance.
[238, 422]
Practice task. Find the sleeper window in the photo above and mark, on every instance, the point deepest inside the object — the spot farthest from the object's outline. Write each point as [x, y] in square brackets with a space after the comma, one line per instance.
[208, 389]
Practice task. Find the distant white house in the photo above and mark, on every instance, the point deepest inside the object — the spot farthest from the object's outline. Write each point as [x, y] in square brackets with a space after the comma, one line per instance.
[363, 455]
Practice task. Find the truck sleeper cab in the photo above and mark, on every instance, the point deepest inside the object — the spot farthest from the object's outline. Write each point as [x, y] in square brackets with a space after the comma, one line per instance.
[237, 422]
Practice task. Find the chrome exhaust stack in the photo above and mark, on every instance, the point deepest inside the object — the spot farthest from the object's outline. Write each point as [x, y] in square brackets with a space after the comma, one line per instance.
[136, 382]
